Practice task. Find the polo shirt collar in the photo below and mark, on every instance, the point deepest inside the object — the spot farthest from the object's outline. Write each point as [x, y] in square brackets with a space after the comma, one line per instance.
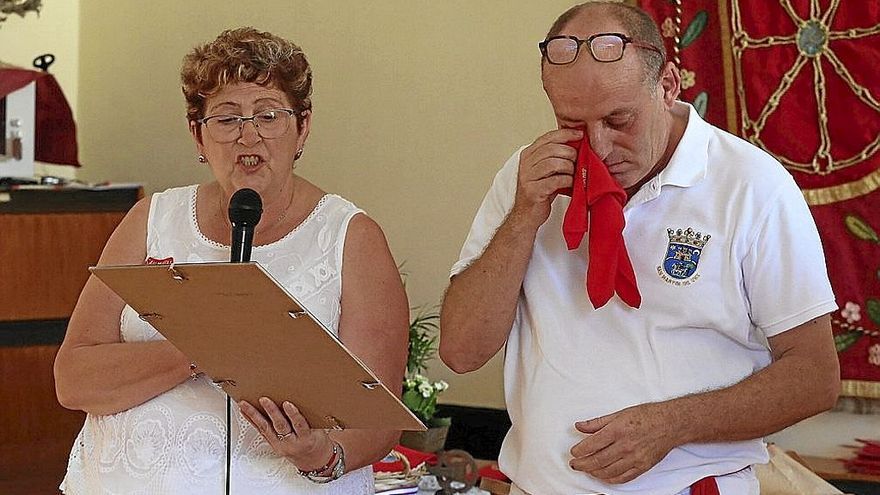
[690, 161]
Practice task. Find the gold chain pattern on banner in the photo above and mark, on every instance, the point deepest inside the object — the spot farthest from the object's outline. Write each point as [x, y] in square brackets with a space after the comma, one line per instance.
[816, 29]
[849, 327]
[676, 45]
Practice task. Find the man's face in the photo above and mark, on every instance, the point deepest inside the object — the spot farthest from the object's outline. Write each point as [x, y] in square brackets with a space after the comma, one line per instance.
[627, 120]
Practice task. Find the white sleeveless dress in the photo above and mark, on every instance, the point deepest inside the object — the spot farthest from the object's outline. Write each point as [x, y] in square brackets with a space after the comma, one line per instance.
[175, 443]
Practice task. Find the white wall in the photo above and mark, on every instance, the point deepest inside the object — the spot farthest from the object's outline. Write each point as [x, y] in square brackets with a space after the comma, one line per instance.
[55, 31]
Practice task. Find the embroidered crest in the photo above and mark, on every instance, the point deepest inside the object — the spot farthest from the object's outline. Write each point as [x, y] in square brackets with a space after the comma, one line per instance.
[682, 256]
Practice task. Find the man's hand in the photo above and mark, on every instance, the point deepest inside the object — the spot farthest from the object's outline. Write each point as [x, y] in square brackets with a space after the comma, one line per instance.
[621, 446]
[545, 167]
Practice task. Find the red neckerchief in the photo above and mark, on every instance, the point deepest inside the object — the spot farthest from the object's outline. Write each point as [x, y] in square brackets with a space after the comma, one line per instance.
[705, 486]
[600, 201]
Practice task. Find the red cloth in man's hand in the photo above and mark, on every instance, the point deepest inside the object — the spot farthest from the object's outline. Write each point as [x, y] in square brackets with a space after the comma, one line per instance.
[599, 201]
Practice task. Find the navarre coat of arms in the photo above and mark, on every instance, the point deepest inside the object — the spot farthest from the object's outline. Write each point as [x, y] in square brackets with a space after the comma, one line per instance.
[682, 254]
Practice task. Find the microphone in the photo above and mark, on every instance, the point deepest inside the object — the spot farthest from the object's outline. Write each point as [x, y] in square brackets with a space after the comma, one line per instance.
[245, 209]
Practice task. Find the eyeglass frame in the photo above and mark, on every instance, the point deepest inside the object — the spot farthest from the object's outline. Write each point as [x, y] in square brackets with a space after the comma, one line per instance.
[589, 41]
[291, 114]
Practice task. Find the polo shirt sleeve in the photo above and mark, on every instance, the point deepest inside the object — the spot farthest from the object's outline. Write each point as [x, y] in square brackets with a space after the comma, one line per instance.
[784, 271]
[493, 211]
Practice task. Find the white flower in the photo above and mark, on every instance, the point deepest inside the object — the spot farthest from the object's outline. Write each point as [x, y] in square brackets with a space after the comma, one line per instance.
[441, 385]
[852, 312]
[668, 28]
[426, 389]
[874, 354]
[688, 79]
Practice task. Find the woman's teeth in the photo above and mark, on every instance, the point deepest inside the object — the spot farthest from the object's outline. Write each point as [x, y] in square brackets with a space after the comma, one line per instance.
[249, 160]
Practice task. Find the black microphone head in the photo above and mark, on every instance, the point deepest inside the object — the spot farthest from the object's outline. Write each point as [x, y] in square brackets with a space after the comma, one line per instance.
[245, 208]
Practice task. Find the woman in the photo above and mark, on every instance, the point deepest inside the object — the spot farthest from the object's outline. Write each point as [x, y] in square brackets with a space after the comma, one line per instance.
[155, 424]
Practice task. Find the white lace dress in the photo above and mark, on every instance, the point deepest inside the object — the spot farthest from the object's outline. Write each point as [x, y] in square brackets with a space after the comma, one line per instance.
[175, 442]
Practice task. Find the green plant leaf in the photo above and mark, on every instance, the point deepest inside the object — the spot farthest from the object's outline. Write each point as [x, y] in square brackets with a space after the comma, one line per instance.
[423, 330]
[701, 102]
[873, 309]
[694, 29]
[843, 341]
[860, 229]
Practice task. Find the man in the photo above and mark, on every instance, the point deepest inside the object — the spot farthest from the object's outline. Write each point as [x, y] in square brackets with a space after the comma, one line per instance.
[733, 346]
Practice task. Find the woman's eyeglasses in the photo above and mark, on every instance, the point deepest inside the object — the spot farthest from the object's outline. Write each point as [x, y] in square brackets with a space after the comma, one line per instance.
[604, 47]
[269, 124]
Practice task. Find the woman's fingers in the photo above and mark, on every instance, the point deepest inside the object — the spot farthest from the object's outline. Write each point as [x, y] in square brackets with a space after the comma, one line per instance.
[296, 419]
[256, 418]
[279, 421]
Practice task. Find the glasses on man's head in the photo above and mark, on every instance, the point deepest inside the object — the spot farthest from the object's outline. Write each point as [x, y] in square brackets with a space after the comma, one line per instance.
[604, 47]
[269, 124]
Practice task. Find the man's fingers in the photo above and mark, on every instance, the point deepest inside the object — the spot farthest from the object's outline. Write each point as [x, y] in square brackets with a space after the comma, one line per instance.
[592, 444]
[595, 424]
[549, 167]
[590, 463]
[560, 136]
[613, 470]
[552, 150]
[626, 476]
[545, 189]
[552, 139]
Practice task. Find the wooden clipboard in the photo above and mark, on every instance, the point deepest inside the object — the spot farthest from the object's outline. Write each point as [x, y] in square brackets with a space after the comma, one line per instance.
[256, 340]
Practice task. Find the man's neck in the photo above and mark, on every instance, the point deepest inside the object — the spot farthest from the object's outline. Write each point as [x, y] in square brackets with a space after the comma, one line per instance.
[679, 121]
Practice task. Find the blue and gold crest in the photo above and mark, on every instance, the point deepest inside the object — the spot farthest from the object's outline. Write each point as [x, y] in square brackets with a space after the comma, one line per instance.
[683, 253]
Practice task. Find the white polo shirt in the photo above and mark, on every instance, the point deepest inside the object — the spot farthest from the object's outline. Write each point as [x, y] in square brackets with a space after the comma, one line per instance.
[750, 267]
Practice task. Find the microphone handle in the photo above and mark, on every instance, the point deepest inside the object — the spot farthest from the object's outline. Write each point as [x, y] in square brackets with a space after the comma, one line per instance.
[242, 242]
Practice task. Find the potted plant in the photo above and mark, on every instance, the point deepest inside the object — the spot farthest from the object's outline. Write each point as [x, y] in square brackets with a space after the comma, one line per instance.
[419, 392]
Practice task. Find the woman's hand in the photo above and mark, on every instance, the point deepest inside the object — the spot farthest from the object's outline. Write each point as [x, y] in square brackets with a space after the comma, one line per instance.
[289, 434]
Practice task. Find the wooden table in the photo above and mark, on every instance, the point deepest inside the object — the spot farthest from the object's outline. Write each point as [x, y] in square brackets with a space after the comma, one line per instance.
[833, 469]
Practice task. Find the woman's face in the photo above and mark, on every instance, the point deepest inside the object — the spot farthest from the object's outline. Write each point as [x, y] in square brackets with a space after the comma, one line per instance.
[262, 164]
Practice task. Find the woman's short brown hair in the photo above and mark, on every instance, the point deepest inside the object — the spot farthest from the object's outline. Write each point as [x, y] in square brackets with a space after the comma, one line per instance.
[246, 55]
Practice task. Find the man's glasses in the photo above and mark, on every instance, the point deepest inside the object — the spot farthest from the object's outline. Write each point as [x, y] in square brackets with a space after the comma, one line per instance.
[270, 124]
[604, 47]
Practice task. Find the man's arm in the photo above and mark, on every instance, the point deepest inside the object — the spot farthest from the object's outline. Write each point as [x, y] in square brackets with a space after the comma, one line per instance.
[802, 380]
[480, 303]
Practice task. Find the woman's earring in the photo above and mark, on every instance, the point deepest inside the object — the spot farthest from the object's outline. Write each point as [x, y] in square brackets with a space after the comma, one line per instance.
[202, 158]
[298, 155]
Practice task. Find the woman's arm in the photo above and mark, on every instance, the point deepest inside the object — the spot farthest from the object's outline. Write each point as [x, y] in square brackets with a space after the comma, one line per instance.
[374, 325]
[95, 371]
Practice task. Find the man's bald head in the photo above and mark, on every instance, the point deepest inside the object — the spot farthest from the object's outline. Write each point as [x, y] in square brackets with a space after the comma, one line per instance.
[635, 23]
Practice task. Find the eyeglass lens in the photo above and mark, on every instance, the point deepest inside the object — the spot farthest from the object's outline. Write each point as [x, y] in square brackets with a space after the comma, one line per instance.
[605, 48]
[269, 124]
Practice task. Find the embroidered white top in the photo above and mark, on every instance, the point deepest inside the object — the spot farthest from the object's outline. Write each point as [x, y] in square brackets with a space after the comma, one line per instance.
[175, 442]
[708, 305]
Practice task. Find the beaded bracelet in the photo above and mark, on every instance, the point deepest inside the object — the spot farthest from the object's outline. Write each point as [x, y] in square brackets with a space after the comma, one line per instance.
[336, 463]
